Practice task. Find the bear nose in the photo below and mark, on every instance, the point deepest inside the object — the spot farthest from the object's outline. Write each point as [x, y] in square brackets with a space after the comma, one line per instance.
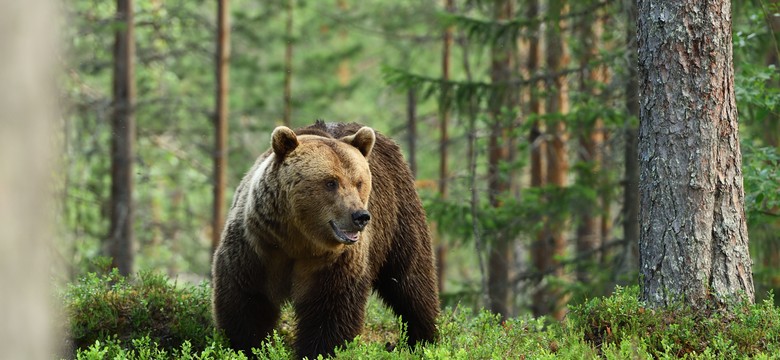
[360, 218]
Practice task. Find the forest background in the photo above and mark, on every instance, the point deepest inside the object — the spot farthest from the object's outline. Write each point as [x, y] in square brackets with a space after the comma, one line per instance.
[516, 118]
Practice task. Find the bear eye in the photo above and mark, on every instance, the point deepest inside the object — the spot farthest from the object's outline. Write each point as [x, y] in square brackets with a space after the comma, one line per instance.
[331, 184]
[359, 185]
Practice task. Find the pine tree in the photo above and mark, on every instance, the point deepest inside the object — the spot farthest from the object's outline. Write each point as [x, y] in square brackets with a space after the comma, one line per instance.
[693, 240]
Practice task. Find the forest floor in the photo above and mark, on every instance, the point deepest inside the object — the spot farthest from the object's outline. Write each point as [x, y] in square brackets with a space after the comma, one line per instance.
[152, 317]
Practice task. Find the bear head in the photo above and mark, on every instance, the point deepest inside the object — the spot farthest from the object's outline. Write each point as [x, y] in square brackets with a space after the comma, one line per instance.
[327, 183]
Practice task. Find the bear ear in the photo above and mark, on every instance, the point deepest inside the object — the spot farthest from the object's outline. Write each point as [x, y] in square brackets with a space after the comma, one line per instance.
[283, 141]
[363, 140]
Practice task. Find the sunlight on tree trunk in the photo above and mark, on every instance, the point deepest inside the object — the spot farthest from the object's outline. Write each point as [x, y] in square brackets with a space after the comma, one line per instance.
[693, 239]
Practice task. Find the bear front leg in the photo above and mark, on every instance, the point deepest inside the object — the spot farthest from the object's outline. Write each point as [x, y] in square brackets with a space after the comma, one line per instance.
[330, 313]
[247, 319]
[240, 308]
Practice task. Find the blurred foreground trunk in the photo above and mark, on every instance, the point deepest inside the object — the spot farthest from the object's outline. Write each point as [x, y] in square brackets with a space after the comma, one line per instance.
[27, 99]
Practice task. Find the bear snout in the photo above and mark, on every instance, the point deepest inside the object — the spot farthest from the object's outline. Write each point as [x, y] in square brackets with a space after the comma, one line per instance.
[360, 218]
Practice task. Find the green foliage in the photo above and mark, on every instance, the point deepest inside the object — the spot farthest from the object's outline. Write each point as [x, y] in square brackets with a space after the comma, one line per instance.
[145, 349]
[274, 348]
[618, 326]
[465, 334]
[762, 181]
[621, 324]
[762, 201]
[171, 169]
[110, 306]
[758, 99]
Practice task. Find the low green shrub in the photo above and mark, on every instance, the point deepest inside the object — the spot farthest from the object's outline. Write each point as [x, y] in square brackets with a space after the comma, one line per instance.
[621, 321]
[113, 309]
[145, 349]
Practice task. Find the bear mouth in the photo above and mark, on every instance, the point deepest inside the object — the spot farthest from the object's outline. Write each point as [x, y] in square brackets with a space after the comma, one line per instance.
[344, 236]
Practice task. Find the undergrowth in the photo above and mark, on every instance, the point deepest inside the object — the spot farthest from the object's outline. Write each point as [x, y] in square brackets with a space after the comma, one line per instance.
[113, 308]
[678, 331]
[150, 317]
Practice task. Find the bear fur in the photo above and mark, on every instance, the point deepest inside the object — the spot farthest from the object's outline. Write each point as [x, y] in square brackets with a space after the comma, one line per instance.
[329, 213]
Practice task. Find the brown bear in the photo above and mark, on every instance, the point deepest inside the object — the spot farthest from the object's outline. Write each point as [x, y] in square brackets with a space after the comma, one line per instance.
[329, 213]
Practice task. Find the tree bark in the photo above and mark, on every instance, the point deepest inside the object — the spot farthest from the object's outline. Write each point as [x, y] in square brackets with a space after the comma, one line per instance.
[28, 97]
[122, 141]
[221, 121]
[693, 239]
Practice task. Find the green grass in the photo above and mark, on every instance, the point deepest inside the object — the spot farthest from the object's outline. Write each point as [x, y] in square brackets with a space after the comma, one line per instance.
[149, 317]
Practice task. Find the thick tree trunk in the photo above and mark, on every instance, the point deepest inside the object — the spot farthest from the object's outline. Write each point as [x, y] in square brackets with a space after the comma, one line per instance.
[500, 256]
[122, 141]
[27, 165]
[631, 181]
[693, 239]
[221, 121]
